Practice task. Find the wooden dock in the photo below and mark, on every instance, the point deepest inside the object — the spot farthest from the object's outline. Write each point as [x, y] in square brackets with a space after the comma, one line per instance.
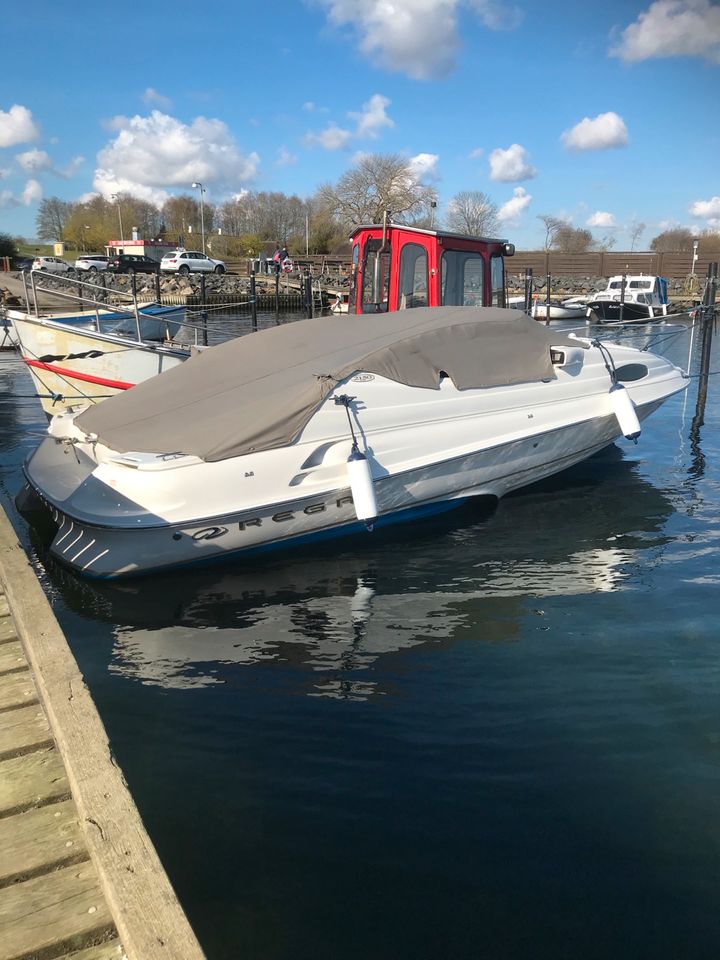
[79, 877]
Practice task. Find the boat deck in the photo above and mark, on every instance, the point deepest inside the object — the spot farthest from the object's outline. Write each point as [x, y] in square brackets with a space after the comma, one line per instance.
[79, 877]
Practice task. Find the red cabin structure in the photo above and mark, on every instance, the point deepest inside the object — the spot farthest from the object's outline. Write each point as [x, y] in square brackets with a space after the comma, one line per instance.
[395, 267]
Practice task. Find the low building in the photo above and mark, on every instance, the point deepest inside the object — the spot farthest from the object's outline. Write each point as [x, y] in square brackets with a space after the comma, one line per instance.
[149, 248]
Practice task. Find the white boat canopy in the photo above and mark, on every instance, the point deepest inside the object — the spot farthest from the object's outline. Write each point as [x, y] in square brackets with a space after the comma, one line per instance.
[257, 392]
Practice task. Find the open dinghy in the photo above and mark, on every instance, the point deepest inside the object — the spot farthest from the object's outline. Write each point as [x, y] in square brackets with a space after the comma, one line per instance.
[332, 425]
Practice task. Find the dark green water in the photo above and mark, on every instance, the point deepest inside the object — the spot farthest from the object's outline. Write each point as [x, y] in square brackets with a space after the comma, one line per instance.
[495, 735]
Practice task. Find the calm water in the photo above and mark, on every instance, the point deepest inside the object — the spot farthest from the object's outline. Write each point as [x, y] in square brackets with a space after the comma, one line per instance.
[496, 735]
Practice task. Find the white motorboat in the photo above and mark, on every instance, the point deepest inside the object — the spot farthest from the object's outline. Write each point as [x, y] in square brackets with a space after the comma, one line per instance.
[329, 426]
[572, 308]
[631, 299]
[94, 350]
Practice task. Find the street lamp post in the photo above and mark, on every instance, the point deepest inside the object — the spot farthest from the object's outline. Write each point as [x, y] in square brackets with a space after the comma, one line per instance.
[116, 198]
[196, 183]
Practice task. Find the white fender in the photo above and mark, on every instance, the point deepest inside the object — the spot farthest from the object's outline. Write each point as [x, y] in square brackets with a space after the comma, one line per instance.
[361, 487]
[625, 411]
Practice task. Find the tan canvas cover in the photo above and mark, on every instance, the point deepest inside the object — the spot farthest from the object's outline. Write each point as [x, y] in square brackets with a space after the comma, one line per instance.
[257, 392]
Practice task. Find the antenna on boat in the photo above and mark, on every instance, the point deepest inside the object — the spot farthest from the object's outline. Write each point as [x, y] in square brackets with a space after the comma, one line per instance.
[359, 474]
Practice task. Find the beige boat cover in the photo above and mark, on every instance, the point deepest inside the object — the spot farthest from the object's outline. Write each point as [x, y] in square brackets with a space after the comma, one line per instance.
[257, 392]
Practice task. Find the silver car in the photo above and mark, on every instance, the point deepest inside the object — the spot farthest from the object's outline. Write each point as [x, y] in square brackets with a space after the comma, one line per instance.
[92, 261]
[190, 261]
[51, 264]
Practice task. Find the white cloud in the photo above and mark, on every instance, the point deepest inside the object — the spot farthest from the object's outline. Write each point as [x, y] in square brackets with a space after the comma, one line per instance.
[510, 211]
[672, 28]
[423, 167]
[415, 37]
[601, 219]
[72, 168]
[605, 131]
[706, 209]
[285, 158]
[511, 165]
[476, 153]
[4, 173]
[32, 193]
[152, 98]
[33, 161]
[372, 117]
[17, 126]
[8, 199]
[151, 155]
[331, 138]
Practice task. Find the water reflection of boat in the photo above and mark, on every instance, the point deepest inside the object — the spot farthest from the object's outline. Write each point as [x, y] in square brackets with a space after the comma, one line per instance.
[335, 615]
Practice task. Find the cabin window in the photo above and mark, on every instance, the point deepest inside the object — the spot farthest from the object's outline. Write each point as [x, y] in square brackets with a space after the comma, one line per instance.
[375, 278]
[413, 279]
[463, 273]
[497, 281]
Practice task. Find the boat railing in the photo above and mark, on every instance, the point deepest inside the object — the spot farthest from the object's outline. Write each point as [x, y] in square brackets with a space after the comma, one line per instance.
[97, 300]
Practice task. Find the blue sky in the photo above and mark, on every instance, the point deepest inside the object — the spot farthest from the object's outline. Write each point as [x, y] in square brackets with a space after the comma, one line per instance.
[602, 114]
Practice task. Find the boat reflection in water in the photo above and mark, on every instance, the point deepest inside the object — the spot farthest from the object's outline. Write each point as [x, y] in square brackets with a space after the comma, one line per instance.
[333, 616]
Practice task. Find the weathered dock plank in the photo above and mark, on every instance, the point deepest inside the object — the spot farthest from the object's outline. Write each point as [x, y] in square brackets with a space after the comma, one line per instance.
[67, 908]
[112, 950]
[40, 841]
[23, 731]
[16, 690]
[149, 919]
[7, 627]
[11, 656]
[31, 781]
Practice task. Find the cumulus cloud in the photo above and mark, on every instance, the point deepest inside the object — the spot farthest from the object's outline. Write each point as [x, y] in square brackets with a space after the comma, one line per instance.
[605, 131]
[33, 161]
[151, 155]
[17, 126]
[369, 120]
[152, 98]
[706, 209]
[372, 117]
[423, 167]
[510, 211]
[415, 37]
[601, 219]
[4, 173]
[672, 28]
[32, 193]
[511, 165]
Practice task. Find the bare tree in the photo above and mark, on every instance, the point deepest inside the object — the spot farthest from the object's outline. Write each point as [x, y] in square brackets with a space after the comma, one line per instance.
[569, 239]
[636, 231]
[379, 182]
[552, 225]
[51, 217]
[672, 241]
[472, 212]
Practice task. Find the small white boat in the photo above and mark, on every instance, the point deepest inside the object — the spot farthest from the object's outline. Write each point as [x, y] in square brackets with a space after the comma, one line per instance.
[77, 359]
[572, 308]
[330, 426]
[631, 299]
[84, 355]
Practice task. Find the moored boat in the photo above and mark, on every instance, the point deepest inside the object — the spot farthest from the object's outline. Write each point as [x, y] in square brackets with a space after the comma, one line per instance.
[330, 427]
[631, 299]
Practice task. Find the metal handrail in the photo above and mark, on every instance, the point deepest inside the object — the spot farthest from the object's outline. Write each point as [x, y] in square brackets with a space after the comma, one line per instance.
[130, 308]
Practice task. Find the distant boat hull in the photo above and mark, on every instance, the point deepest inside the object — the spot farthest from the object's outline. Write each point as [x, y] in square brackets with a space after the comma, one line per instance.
[612, 311]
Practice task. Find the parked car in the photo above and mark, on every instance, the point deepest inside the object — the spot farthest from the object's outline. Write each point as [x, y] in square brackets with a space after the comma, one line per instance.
[51, 264]
[132, 263]
[190, 261]
[92, 261]
[22, 263]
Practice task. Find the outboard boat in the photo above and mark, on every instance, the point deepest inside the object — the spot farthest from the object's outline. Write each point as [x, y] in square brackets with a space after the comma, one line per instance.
[631, 299]
[329, 426]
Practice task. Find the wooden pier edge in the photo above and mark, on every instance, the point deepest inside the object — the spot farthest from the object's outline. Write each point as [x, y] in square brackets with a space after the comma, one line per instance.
[149, 918]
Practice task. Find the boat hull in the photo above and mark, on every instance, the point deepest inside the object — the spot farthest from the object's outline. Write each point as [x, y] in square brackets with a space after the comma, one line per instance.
[612, 311]
[72, 365]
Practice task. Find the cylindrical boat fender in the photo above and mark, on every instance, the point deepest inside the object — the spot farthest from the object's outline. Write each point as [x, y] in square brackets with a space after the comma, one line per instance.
[625, 412]
[361, 487]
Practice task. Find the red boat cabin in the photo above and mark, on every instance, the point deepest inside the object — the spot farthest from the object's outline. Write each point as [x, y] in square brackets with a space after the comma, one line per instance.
[395, 267]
